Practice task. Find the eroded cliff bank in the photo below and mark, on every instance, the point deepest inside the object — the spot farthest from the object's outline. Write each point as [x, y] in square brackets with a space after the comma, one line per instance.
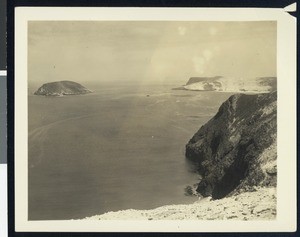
[236, 150]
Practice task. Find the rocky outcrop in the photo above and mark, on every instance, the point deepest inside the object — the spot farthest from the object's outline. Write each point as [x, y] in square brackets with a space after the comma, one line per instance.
[225, 84]
[236, 150]
[193, 80]
[61, 88]
[257, 205]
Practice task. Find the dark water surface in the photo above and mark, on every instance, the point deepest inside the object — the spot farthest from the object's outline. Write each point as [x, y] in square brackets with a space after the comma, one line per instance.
[121, 147]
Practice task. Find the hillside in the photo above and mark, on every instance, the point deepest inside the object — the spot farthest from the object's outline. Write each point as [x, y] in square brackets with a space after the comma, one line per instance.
[257, 205]
[61, 88]
[236, 150]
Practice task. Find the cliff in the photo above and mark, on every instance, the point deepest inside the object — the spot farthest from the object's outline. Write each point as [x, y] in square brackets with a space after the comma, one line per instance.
[61, 88]
[225, 84]
[193, 80]
[236, 150]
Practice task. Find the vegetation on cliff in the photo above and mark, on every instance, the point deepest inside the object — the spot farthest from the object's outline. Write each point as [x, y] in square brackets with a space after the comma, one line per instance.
[236, 150]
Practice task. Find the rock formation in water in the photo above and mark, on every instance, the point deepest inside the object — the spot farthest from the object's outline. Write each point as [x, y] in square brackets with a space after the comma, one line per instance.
[236, 150]
[61, 88]
[225, 84]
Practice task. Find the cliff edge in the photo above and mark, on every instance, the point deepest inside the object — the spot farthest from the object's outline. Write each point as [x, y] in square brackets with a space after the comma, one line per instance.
[258, 205]
[236, 150]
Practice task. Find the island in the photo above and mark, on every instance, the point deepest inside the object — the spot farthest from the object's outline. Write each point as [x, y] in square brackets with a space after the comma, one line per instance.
[61, 88]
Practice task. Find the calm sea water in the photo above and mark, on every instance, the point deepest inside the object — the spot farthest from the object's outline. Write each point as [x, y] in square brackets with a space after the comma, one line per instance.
[120, 147]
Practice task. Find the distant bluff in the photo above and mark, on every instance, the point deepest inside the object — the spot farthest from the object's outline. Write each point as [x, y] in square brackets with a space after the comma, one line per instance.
[227, 84]
[61, 88]
[237, 149]
[193, 80]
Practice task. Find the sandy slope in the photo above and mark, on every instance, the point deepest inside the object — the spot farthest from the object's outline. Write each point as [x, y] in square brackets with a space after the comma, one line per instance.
[257, 205]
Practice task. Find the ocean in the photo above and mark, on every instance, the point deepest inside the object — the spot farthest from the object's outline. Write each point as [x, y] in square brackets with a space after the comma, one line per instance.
[121, 147]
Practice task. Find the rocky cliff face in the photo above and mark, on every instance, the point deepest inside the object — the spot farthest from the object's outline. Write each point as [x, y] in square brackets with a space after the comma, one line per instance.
[218, 83]
[61, 88]
[193, 80]
[236, 150]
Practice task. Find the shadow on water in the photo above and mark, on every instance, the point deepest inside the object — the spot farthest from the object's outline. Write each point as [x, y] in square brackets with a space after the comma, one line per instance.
[191, 166]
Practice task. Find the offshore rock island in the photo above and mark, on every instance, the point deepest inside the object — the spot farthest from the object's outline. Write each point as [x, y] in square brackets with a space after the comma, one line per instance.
[61, 88]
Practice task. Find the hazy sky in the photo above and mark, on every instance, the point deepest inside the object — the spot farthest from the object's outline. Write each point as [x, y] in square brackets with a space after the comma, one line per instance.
[149, 51]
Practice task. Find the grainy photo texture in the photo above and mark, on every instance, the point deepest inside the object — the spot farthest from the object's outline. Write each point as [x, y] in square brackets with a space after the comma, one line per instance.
[152, 120]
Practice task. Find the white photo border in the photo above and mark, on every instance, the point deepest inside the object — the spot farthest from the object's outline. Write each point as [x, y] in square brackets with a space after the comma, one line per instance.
[286, 82]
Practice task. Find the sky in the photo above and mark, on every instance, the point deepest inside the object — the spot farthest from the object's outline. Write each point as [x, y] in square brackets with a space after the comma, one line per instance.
[157, 51]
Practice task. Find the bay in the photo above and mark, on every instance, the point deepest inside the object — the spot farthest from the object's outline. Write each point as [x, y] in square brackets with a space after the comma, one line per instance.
[121, 147]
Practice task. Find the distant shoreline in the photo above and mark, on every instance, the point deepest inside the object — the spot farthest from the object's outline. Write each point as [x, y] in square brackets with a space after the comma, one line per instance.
[227, 91]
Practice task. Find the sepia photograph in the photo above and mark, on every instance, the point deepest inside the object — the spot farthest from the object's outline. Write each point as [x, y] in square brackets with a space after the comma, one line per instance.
[155, 114]
[142, 120]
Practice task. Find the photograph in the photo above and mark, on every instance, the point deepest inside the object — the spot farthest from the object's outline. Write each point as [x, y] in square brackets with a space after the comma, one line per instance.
[159, 121]
[155, 114]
